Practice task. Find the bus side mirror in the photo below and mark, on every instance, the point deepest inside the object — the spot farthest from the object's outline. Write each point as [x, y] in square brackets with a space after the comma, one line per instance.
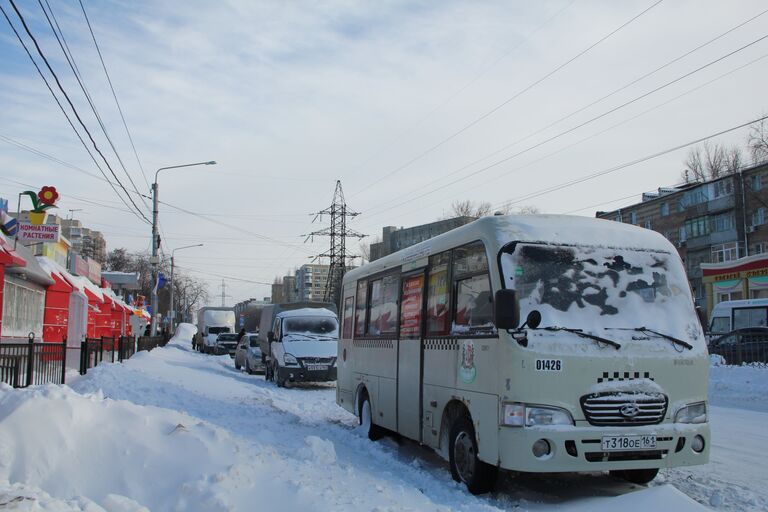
[506, 314]
[270, 336]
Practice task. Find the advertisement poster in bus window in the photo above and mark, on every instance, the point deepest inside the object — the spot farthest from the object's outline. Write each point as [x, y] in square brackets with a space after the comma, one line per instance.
[437, 302]
[410, 310]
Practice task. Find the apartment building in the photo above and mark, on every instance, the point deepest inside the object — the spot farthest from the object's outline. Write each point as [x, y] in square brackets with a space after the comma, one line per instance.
[394, 239]
[310, 282]
[717, 224]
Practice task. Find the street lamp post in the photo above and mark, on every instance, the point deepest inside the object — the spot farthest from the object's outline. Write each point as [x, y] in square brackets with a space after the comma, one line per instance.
[155, 260]
[173, 309]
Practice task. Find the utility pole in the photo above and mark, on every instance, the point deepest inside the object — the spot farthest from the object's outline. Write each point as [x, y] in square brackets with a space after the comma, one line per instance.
[339, 233]
[224, 293]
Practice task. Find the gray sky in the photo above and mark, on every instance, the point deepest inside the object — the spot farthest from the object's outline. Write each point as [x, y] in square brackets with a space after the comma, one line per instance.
[402, 101]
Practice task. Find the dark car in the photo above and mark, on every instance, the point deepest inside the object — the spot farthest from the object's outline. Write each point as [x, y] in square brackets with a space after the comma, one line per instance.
[748, 345]
[226, 343]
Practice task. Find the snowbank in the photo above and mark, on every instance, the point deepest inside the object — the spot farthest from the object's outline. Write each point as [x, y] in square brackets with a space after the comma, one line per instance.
[744, 387]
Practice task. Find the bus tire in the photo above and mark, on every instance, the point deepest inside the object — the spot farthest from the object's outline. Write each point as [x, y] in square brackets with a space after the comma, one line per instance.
[636, 476]
[466, 467]
[365, 419]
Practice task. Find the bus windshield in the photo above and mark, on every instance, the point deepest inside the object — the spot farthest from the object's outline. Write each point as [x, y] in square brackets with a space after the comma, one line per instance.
[592, 288]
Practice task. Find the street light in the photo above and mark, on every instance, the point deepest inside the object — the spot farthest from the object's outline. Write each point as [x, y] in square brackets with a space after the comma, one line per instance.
[154, 260]
[173, 309]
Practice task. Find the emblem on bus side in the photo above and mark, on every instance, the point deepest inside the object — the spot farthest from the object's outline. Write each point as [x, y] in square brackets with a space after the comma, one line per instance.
[467, 370]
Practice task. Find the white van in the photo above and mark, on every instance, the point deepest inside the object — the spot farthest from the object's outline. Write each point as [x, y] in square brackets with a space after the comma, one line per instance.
[730, 315]
[302, 346]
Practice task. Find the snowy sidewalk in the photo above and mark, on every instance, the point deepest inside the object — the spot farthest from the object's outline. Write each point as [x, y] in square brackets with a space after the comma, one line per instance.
[176, 430]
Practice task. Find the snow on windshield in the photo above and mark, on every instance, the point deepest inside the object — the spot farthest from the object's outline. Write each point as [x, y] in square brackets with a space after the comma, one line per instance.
[595, 288]
[319, 325]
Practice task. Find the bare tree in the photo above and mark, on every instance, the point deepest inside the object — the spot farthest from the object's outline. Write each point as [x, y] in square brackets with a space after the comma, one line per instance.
[467, 208]
[757, 141]
[529, 209]
[734, 160]
[710, 161]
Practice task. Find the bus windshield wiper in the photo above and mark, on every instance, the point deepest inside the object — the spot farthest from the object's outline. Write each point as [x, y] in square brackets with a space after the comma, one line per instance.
[676, 341]
[579, 332]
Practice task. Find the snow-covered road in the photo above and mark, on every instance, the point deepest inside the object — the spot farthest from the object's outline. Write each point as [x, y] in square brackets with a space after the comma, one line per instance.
[177, 430]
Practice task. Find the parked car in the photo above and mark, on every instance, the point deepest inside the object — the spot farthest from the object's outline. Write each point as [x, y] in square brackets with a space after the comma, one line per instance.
[748, 345]
[226, 343]
[248, 354]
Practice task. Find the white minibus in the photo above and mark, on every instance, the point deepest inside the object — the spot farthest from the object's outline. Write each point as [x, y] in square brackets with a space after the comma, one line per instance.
[530, 343]
[730, 315]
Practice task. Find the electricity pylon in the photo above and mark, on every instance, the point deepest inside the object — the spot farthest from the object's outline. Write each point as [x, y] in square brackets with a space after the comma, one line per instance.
[339, 233]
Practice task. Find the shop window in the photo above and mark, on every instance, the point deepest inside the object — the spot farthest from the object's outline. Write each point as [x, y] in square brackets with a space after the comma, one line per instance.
[362, 294]
[410, 306]
[382, 318]
[438, 294]
[22, 310]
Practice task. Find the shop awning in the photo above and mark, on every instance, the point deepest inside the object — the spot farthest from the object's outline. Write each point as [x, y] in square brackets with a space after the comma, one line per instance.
[8, 256]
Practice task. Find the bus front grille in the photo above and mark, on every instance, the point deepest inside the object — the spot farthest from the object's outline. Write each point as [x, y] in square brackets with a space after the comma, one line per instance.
[624, 409]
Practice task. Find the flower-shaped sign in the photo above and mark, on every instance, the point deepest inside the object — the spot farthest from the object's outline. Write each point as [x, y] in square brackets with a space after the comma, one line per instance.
[48, 196]
[41, 201]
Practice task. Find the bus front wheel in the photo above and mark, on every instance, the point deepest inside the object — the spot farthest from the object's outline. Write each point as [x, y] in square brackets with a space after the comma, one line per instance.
[466, 467]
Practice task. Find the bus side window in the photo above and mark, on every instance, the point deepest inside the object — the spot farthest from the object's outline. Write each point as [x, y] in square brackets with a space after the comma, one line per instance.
[346, 326]
[474, 309]
[382, 316]
[438, 294]
[362, 295]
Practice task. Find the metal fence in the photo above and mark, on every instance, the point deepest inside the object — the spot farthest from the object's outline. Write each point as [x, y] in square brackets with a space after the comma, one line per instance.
[96, 350]
[150, 342]
[744, 346]
[26, 364]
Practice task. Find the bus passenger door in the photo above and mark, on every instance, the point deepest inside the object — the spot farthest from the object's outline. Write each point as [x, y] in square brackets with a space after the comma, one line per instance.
[409, 356]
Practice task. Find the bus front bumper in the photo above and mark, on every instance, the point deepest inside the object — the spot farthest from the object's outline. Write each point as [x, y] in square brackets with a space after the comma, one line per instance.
[579, 448]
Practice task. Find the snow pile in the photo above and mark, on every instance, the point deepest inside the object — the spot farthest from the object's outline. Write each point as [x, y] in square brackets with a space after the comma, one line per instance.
[125, 457]
[184, 334]
[745, 387]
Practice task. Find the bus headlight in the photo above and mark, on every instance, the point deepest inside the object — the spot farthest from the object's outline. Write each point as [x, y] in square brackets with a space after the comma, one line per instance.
[518, 415]
[692, 413]
[288, 359]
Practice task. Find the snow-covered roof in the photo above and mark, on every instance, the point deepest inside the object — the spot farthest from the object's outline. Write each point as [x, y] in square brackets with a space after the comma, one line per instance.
[306, 312]
[498, 230]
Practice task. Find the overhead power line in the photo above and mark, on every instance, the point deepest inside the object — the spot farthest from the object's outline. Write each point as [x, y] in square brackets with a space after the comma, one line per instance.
[114, 94]
[66, 115]
[510, 99]
[569, 130]
[70, 58]
[625, 165]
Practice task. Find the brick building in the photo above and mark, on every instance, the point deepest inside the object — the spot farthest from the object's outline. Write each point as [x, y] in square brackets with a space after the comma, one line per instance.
[714, 222]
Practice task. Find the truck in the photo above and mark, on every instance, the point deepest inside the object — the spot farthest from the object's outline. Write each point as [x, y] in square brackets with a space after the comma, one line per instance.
[211, 321]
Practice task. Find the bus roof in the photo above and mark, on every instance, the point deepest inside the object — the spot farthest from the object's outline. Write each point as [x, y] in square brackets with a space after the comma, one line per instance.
[498, 230]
